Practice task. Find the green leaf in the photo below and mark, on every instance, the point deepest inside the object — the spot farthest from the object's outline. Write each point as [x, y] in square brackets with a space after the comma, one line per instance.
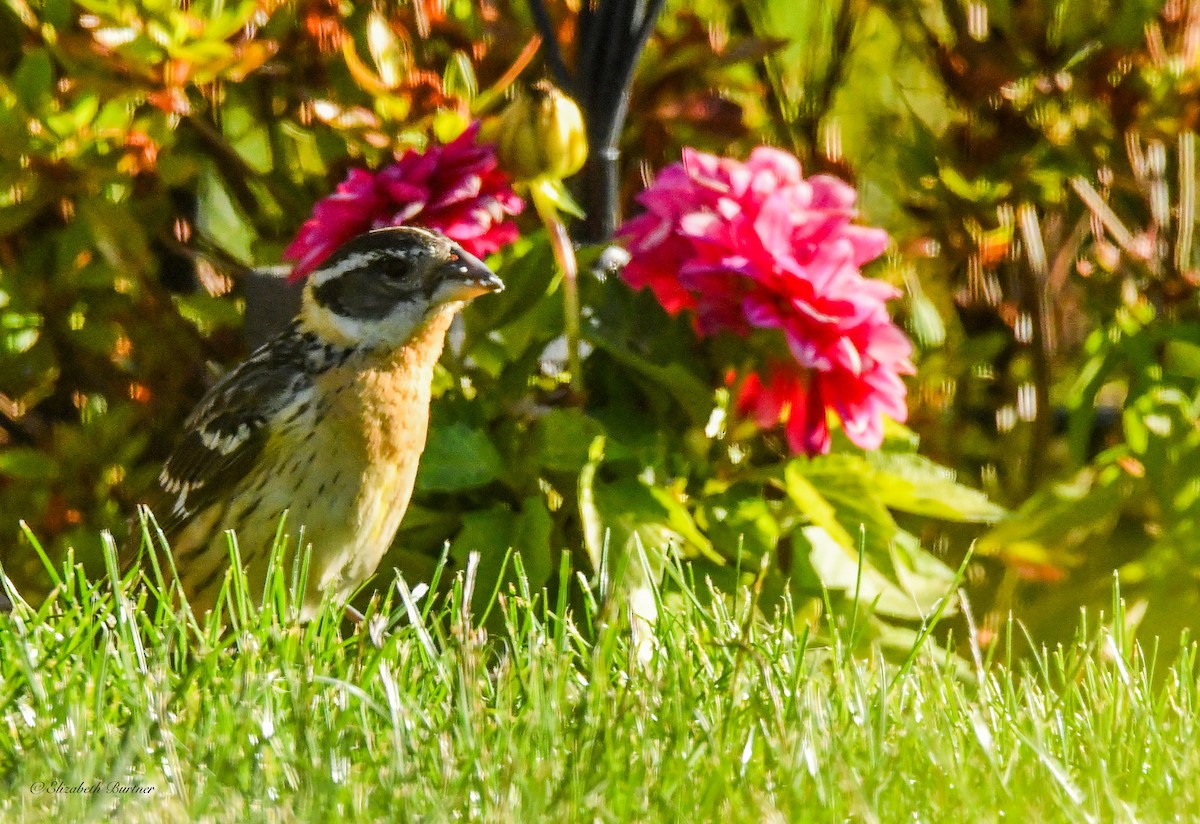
[26, 464]
[19, 331]
[624, 515]
[1182, 358]
[632, 515]
[813, 505]
[1058, 521]
[845, 482]
[589, 514]
[494, 531]
[458, 457]
[912, 483]
[15, 216]
[208, 312]
[34, 81]
[231, 18]
[57, 13]
[924, 321]
[532, 536]
[425, 530]
[838, 569]
[303, 153]
[838, 494]
[1081, 401]
[980, 190]
[219, 218]
[740, 520]
[458, 80]
[924, 577]
[686, 389]
[561, 439]
[118, 236]
[488, 532]
[682, 522]
[550, 195]
[66, 124]
[249, 136]
[528, 274]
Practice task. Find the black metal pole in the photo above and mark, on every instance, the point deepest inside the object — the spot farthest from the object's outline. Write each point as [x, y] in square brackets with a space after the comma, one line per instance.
[612, 34]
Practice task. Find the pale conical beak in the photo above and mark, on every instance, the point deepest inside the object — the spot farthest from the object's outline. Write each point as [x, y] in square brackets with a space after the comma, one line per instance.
[464, 278]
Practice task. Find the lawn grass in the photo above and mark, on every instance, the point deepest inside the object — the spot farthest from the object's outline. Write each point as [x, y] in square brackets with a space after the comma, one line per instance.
[421, 715]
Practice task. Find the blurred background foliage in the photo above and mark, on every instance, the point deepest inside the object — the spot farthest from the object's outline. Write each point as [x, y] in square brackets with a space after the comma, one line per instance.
[1034, 161]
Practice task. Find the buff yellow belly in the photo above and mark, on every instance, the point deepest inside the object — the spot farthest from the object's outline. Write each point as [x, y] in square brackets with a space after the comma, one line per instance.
[343, 471]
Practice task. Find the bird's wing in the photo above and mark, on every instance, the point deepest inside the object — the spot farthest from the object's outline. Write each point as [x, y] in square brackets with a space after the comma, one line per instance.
[228, 429]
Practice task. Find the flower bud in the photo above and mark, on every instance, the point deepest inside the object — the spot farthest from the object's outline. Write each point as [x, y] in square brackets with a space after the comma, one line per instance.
[541, 135]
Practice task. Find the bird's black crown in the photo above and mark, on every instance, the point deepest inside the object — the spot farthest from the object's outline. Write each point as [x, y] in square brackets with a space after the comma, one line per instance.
[369, 275]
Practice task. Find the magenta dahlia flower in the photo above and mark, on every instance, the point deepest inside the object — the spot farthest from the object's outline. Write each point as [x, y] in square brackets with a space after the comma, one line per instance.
[456, 188]
[757, 245]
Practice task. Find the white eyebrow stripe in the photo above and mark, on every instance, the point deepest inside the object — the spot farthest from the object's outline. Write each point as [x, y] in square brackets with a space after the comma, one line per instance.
[356, 261]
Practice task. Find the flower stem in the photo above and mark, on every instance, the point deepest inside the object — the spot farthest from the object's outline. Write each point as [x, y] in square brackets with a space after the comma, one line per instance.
[564, 256]
[564, 253]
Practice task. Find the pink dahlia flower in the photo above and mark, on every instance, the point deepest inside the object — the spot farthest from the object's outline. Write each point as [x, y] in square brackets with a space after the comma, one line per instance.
[457, 189]
[757, 245]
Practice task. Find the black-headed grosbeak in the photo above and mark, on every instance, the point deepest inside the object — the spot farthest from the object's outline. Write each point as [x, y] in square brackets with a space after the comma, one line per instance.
[327, 421]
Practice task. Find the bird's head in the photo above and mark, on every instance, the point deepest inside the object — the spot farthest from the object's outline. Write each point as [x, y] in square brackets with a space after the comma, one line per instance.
[381, 287]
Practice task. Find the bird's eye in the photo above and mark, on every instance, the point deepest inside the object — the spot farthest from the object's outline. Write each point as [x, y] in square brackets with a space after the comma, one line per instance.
[398, 267]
